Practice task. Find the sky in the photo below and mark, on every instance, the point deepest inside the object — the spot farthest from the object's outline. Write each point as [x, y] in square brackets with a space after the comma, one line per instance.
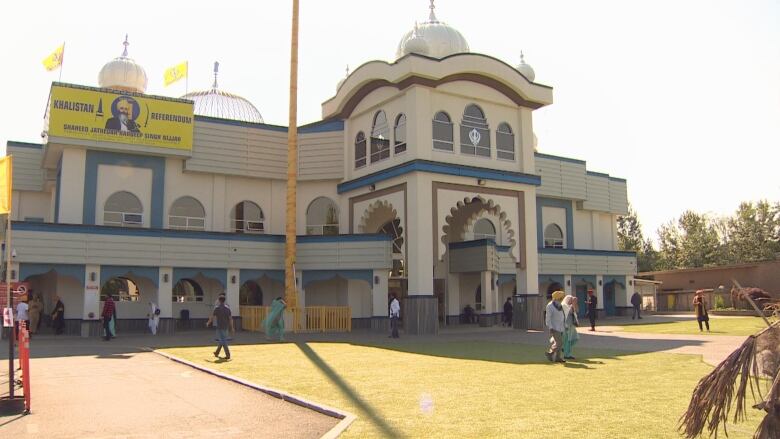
[679, 97]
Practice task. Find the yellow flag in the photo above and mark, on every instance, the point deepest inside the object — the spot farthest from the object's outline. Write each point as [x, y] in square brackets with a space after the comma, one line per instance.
[54, 60]
[175, 73]
[5, 184]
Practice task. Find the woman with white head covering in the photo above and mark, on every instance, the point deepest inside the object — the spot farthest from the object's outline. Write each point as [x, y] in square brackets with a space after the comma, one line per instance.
[570, 335]
[154, 317]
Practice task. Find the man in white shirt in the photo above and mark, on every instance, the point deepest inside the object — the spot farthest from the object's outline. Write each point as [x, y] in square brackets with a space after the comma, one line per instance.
[555, 320]
[22, 314]
[395, 314]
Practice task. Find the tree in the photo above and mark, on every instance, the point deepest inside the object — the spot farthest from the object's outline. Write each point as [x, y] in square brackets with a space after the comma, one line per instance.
[753, 233]
[630, 238]
[691, 241]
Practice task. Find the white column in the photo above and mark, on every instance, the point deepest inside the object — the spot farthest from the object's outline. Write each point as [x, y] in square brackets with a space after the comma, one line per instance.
[529, 278]
[72, 186]
[165, 292]
[92, 284]
[567, 286]
[232, 290]
[379, 294]
[600, 291]
[454, 307]
[419, 246]
[486, 282]
[219, 211]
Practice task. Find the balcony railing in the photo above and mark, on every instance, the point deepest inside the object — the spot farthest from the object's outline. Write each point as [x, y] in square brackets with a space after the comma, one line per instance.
[308, 319]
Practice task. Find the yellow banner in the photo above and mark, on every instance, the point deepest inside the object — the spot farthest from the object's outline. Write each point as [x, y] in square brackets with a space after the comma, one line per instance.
[106, 116]
[54, 60]
[175, 73]
[5, 184]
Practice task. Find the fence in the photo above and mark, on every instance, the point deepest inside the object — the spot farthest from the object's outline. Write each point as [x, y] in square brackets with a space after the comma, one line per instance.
[308, 319]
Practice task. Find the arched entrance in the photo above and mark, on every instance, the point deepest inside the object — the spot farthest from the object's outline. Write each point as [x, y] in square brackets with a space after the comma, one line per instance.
[555, 286]
[121, 289]
[250, 294]
[187, 290]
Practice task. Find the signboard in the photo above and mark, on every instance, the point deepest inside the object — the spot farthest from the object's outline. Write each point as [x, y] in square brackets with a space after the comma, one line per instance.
[110, 116]
[18, 290]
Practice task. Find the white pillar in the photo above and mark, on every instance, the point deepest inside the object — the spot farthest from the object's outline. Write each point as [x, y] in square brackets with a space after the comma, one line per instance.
[419, 245]
[379, 294]
[91, 297]
[486, 287]
[72, 186]
[567, 286]
[600, 291]
[529, 277]
[165, 292]
[232, 291]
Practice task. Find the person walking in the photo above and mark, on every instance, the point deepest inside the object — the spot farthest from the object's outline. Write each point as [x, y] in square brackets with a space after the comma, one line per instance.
[274, 323]
[109, 309]
[395, 314]
[22, 314]
[154, 317]
[636, 302]
[223, 321]
[508, 312]
[570, 335]
[36, 307]
[592, 303]
[58, 316]
[700, 306]
[554, 319]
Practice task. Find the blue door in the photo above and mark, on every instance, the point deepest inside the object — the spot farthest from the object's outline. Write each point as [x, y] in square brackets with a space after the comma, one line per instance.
[582, 296]
[609, 299]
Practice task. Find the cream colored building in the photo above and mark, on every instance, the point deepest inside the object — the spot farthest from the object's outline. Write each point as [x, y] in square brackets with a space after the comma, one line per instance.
[421, 179]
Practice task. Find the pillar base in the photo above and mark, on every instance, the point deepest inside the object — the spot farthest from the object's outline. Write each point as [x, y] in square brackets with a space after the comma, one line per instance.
[420, 315]
[528, 311]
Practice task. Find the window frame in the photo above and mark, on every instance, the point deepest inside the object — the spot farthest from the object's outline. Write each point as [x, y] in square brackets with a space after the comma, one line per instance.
[320, 229]
[553, 241]
[448, 124]
[190, 222]
[379, 144]
[492, 236]
[362, 161]
[468, 124]
[245, 222]
[124, 217]
[399, 147]
[511, 135]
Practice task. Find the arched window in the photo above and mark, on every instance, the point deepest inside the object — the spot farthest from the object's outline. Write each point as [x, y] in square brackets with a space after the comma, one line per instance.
[380, 138]
[123, 209]
[322, 217]
[400, 134]
[553, 236]
[393, 229]
[187, 214]
[250, 294]
[474, 132]
[121, 289]
[247, 217]
[483, 228]
[187, 290]
[505, 142]
[360, 150]
[442, 132]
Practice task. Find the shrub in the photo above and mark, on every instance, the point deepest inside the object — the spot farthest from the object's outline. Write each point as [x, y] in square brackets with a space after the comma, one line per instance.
[719, 302]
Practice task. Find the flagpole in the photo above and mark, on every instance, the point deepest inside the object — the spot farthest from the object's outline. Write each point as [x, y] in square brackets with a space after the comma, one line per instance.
[290, 290]
[10, 302]
[62, 62]
[187, 79]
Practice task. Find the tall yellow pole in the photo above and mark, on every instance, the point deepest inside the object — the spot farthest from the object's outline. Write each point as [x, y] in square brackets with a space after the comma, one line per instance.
[290, 293]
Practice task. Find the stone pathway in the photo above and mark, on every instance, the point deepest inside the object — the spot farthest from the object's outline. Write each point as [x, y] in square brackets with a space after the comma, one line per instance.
[93, 389]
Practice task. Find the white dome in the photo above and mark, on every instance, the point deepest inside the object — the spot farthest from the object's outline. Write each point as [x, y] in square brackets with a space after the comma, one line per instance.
[223, 105]
[526, 69]
[432, 38]
[122, 73]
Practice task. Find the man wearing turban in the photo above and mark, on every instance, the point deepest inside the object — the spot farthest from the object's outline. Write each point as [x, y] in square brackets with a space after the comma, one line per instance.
[555, 320]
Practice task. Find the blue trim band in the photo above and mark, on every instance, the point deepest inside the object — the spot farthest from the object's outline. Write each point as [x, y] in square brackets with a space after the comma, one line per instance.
[218, 274]
[97, 158]
[186, 234]
[110, 271]
[503, 248]
[439, 168]
[552, 202]
[310, 276]
[247, 274]
[75, 271]
[322, 126]
[586, 252]
[473, 243]
[559, 158]
[16, 144]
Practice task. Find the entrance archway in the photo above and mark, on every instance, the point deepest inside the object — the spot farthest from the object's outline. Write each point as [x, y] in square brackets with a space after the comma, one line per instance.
[187, 290]
[121, 289]
[250, 294]
[555, 286]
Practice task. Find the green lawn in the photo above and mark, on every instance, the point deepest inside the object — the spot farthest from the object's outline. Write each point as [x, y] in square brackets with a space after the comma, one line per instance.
[478, 389]
[718, 326]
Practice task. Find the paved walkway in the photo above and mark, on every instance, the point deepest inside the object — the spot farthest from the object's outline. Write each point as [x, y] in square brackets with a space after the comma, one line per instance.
[93, 389]
[88, 388]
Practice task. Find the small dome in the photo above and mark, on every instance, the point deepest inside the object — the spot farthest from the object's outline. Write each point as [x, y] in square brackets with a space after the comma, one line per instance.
[223, 105]
[341, 81]
[122, 73]
[432, 38]
[526, 69]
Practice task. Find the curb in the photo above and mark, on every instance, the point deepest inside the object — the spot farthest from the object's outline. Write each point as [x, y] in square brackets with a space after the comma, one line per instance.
[345, 417]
